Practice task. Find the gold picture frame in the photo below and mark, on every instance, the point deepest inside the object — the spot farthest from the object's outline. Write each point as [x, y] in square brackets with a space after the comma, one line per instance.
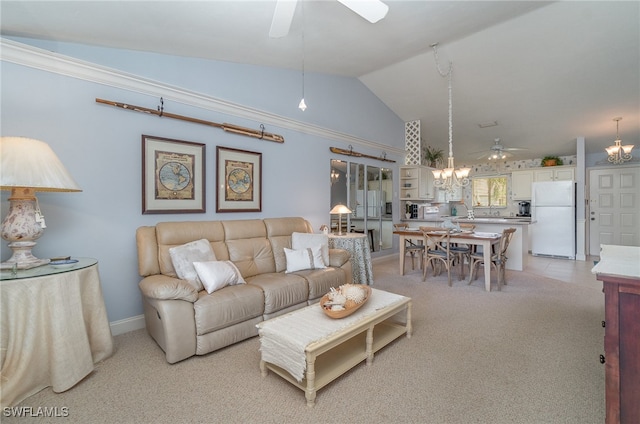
[173, 176]
[239, 180]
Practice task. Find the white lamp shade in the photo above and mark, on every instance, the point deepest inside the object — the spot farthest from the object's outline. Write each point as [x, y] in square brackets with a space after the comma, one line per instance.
[340, 209]
[463, 172]
[32, 164]
[612, 150]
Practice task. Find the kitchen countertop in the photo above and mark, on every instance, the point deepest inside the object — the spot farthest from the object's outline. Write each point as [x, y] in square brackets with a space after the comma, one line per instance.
[511, 220]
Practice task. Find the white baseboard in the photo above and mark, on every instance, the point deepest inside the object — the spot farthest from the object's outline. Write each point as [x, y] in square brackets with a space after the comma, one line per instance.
[128, 324]
[581, 239]
[385, 257]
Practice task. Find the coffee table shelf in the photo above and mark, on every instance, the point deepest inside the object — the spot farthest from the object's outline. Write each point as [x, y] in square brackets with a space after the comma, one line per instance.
[329, 358]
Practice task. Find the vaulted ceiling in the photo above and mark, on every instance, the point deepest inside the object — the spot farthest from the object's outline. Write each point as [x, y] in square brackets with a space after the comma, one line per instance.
[546, 72]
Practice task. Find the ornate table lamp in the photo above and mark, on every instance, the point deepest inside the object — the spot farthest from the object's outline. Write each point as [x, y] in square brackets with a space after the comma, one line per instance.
[28, 166]
[339, 210]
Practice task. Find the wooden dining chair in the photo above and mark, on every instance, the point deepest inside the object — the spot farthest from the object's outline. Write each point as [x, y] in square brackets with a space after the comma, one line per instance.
[498, 259]
[463, 251]
[438, 251]
[410, 247]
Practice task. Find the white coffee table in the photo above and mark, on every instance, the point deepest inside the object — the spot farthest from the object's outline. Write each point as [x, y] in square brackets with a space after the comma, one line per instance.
[310, 350]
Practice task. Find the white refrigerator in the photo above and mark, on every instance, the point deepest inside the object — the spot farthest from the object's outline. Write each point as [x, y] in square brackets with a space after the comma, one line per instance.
[553, 219]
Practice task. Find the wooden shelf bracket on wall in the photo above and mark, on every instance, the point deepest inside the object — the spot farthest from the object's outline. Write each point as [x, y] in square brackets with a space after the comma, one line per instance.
[235, 129]
[350, 152]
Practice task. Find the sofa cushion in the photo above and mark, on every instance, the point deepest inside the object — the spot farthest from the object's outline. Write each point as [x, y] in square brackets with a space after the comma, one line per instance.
[298, 260]
[172, 234]
[280, 290]
[227, 306]
[183, 257]
[304, 240]
[216, 275]
[320, 281]
[279, 231]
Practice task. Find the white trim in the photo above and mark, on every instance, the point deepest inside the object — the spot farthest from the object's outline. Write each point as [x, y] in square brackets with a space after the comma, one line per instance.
[128, 324]
[581, 239]
[25, 55]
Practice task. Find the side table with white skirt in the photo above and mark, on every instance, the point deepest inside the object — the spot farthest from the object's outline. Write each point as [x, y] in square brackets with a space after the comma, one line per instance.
[358, 245]
[54, 328]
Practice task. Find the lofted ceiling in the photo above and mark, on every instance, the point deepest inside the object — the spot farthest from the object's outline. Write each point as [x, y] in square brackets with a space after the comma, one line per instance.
[545, 72]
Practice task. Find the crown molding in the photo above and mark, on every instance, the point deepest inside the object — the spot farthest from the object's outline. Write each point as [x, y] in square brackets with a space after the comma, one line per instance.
[33, 57]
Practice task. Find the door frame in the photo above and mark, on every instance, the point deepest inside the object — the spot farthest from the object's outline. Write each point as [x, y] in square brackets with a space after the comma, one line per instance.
[588, 199]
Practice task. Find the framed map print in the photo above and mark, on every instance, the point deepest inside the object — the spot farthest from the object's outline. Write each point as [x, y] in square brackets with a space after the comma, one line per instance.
[239, 180]
[173, 176]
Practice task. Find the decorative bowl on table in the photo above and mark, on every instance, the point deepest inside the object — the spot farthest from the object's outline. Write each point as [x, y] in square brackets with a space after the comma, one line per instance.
[64, 264]
[345, 300]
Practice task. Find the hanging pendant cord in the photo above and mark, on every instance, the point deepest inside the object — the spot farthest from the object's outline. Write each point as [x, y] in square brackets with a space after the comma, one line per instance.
[447, 75]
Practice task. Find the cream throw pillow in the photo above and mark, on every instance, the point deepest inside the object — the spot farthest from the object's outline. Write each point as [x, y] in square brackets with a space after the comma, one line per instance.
[183, 257]
[216, 275]
[309, 258]
[304, 240]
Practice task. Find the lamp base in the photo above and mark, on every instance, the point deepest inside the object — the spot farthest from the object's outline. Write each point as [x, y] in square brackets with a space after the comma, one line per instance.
[22, 257]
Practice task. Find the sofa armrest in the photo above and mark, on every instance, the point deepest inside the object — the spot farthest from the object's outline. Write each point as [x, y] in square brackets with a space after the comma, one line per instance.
[164, 287]
[338, 257]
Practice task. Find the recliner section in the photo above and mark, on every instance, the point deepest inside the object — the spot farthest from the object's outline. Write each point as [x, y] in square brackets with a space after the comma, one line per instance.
[185, 322]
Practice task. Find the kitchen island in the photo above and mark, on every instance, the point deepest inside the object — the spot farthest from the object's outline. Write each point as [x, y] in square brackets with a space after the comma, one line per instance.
[518, 250]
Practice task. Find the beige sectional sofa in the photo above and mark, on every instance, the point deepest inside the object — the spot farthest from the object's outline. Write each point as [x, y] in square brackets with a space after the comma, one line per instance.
[186, 322]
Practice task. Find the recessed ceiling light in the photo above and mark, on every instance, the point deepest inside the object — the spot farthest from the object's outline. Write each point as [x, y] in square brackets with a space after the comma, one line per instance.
[488, 124]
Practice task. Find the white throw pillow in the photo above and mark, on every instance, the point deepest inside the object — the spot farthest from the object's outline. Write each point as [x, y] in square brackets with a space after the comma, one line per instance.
[304, 240]
[183, 257]
[216, 275]
[309, 258]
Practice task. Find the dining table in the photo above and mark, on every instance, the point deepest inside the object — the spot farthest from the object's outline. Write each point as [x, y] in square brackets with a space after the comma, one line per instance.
[483, 239]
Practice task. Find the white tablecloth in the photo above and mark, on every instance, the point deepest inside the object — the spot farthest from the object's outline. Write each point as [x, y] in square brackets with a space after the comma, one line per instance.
[54, 328]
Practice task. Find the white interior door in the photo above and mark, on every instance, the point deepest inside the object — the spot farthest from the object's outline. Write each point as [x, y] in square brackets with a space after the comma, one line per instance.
[614, 204]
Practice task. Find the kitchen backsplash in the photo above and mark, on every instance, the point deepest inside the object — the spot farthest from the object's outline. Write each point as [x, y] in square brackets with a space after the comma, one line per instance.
[508, 166]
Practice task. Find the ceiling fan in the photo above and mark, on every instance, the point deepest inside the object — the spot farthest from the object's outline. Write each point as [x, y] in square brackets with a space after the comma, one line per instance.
[371, 10]
[499, 151]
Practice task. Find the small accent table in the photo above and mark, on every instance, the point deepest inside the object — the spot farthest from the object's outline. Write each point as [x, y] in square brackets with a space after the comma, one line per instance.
[54, 328]
[310, 350]
[358, 245]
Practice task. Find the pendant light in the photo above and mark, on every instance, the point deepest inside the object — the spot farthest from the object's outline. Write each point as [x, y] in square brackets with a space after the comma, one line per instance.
[618, 153]
[449, 178]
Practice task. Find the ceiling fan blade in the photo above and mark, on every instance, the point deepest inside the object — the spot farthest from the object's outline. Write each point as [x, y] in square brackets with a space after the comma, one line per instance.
[371, 10]
[282, 17]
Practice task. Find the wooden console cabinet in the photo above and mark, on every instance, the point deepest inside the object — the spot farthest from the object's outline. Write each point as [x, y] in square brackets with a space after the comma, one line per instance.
[622, 338]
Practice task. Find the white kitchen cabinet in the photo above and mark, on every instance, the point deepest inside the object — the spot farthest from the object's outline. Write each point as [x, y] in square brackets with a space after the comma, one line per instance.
[425, 184]
[416, 183]
[554, 173]
[521, 185]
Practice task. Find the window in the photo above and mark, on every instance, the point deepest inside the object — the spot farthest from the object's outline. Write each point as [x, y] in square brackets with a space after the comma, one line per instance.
[490, 191]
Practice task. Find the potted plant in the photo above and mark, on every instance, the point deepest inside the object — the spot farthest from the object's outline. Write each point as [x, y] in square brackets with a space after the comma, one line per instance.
[551, 161]
[432, 156]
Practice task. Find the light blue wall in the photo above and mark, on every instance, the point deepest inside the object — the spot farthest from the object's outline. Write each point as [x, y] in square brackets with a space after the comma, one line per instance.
[101, 147]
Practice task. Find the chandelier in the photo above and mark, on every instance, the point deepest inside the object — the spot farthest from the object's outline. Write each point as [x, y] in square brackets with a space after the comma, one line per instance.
[334, 176]
[449, 178]
[619, 153]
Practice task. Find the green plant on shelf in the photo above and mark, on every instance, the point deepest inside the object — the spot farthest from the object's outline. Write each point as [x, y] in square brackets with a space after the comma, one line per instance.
[551, 161]
[432, 156]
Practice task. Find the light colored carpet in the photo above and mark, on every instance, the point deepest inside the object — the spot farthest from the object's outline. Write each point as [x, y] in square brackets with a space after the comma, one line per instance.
[527, 354]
